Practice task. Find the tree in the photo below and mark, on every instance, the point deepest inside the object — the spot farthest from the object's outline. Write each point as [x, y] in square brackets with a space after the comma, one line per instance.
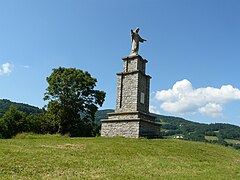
[13, 122]
[42, 123]
[73, 101]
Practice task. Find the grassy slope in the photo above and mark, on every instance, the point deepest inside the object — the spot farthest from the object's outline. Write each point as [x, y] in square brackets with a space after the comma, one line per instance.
[56, 157]
[211, 138]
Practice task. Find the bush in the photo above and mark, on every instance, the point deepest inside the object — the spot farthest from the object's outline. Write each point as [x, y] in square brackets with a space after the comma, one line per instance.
[195, 136]
[42, 124]
[13, 122]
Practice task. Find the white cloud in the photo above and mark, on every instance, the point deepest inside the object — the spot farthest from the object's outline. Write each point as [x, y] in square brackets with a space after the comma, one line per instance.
[153, 109]
[212, 110]
[183, 98]
[6, 68]
[25, 66]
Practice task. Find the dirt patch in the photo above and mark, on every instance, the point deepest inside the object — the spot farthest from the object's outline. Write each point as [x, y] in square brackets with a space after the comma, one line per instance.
[66, 146]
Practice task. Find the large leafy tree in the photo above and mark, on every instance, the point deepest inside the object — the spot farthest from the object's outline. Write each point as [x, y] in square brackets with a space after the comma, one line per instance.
[73, 101]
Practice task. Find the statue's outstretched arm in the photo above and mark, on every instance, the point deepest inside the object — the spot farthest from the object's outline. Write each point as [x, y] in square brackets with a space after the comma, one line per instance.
[141, 39]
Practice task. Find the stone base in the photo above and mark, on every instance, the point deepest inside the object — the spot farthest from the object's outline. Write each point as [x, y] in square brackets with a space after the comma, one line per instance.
[133, 127]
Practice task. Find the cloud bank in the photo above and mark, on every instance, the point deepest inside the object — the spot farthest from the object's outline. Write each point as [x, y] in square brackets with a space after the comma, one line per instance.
[209, 101]
[5, 69]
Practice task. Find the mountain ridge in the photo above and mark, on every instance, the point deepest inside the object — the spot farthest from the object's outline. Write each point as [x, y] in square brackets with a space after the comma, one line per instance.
[29, 109]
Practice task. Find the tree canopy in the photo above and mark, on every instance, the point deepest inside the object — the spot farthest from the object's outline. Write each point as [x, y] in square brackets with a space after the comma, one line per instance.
[73, 101]
[13, 122]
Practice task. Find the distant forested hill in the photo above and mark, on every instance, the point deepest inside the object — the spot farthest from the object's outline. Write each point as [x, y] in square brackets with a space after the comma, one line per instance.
[102, 114]
[5, 104]
[197, 131]
[175, 126]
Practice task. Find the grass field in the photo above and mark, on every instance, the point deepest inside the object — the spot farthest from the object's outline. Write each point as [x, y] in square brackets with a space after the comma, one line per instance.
[233, 141]
[211, 138]
[57, 157]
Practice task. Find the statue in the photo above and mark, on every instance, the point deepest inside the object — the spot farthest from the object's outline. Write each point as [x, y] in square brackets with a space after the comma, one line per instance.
[135, 41]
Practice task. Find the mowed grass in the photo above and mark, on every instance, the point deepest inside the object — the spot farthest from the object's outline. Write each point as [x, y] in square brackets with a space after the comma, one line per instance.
[211, 138]
[59, 157]
[233, 141]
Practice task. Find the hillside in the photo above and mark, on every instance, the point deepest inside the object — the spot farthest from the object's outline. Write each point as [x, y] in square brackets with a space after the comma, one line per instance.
[175, 126]
[61, 157]
[5, 104]
[102, 114]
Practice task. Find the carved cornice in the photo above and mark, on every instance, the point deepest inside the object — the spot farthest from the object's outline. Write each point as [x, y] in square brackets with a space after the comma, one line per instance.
[134, 57]
[133, 72]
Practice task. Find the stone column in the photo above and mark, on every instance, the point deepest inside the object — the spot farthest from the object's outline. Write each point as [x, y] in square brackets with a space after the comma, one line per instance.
[131, 118]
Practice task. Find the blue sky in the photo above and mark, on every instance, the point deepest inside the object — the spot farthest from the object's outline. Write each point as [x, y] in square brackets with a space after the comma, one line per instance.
[193, 49]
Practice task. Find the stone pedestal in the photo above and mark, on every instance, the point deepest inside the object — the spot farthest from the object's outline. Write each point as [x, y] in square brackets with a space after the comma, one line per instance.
[131, 118]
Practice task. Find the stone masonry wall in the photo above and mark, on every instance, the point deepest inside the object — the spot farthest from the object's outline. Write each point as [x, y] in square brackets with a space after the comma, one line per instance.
[127, 92]
[143, 87]
[149, 129]
[123, 117]
[130, 128]
[120, 128]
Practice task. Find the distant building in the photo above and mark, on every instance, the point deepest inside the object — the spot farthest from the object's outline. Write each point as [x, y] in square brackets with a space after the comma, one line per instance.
[178, 137]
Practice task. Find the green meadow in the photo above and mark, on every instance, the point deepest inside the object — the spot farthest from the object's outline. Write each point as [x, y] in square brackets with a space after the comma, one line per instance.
[30, 156]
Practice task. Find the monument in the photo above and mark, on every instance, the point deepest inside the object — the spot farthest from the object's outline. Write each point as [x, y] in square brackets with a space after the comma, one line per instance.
[131, 117]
